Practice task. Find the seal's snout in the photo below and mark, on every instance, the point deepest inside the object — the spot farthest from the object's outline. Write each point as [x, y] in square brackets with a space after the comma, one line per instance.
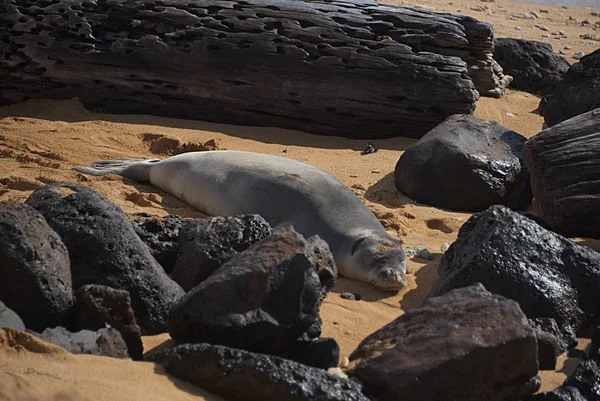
[390, 279]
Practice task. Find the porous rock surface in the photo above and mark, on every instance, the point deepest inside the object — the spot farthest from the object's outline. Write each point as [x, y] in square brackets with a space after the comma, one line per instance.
[240, 375]
[104, 249]
[465, 345]
[511, 255]
[35, 275]
[206, 244]
[262, 300]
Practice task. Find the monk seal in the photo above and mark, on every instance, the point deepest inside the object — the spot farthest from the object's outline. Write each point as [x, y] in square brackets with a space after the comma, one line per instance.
[282, 191]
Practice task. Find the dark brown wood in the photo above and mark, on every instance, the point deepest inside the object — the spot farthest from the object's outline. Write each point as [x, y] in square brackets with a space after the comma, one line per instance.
[564, 165]
[351, 68]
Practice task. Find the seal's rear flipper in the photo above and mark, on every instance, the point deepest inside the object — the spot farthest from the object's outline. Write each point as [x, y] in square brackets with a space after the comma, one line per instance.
[136, 169]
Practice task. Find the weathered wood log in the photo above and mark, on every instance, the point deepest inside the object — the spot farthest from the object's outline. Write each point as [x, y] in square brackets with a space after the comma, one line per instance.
[351, 68]
[564, 166]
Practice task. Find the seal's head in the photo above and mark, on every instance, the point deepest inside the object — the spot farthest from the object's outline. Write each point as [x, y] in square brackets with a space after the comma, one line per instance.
[379, 260]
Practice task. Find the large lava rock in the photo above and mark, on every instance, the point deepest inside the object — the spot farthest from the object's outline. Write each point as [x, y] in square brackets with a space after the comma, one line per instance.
[207, 244]
[262, 300]
[586, 379]
[465, 345]
[465, 164]
[534, 66]
[98, 306]
[241, 375]
[161, 235]
[565, 175]
[35, 276]
[511, 255]
[578, 93]
[104, 249]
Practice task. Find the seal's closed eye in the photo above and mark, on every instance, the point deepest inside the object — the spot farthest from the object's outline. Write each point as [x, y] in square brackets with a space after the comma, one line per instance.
[356, 244]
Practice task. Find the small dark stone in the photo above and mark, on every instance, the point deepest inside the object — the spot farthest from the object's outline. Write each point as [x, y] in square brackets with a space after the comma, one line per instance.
[465, 164]
[35, 275]
[586, 379]
[465, 345]
[162, 237]
[10, 319]
[98, 305]
[104, 342]
[560, 394]
[511, 255]
[578, 93]
[105, 250]
[241, 375]
[534, 66]
[322, 353]
[351, 296]
[262, 300]
[207, 244]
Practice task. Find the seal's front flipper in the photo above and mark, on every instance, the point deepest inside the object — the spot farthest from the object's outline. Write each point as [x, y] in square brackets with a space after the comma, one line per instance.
[136, 169]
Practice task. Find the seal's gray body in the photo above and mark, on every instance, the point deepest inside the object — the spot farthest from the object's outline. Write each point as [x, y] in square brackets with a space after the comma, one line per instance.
[281, 190]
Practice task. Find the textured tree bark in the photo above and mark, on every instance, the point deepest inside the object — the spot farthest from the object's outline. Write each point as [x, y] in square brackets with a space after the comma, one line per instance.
[350, 68]
[564, 166]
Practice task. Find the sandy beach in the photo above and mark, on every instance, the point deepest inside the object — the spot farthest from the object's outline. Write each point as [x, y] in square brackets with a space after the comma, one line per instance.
[41, 140]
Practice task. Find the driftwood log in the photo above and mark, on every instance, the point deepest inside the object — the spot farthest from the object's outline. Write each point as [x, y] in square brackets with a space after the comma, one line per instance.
[349, 68]
[564, 166]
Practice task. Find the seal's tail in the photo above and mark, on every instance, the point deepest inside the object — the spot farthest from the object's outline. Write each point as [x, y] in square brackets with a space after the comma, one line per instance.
[135, 169]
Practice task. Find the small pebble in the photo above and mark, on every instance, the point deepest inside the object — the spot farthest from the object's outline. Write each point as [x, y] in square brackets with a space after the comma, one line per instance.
[595, 13]
[587, 22]
[544, 11]
[562, 33]
[536, 15]
[375, 171]
[445, 247]
[418, 251]
[479, 7]
[518, 28]
[526, 16]
[545, 35]
[578, 55]
[353, 175]
[284, 151]
[542, 27]
[350, 296]
[567, 47]
[337, 372]
[563, 52]
[510, 115]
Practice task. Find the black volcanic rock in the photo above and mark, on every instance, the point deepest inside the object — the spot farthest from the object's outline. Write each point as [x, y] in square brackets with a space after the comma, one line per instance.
[465, 164]
[511, 255]
[534, 66]
[467, 344]
[262, 300]
[105, 250]
[207, 244]
[245, 376]
[35, 276]
[578, 93]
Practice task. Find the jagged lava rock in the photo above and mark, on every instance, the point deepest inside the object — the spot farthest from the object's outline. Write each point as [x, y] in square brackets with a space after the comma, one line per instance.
[35, 275]
[578, 93]
[9, 319]
[586, 379]
[322, 353]
[241, 375]
[465, 345]
[465, 164]
[262, 300]
[98, 306]
[565, 175]
[105, 250]
[534, 66]
[207, 244]
[511, 255]
[550, 342]
[161, 235]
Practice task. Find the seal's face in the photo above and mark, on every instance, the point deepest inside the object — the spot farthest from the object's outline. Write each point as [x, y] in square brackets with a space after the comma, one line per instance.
[384, 261]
